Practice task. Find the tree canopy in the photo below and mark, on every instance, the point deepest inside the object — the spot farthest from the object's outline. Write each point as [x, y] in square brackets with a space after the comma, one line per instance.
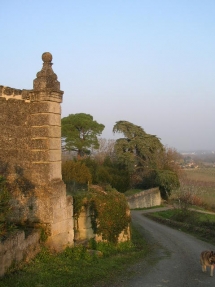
[136, 160]
[167, 181]
[80, 132]
[149, 163]
[137, 148]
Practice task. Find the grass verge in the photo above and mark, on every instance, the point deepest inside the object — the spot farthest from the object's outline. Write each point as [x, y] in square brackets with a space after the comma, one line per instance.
[201, 225]
[76, 266]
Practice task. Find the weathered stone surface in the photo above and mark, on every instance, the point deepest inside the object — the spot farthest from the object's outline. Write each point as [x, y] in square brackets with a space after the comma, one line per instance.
[8, 92]
[46, 78]
[45, 172]
[45, 156]
[48, 118]
[146, 198]
[30, 157]
[44, 131]
[48, 95]
[45, 107]
[17, 248]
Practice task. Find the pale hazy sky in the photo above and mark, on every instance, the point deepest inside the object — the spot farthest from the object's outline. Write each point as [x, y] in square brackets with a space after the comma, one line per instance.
[149, 62]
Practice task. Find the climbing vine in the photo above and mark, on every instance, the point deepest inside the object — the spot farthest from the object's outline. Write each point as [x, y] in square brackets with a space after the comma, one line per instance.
[109, 211]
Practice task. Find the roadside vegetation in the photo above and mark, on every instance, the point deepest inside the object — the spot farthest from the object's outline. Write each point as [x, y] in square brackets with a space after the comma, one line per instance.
[136, 160]
[199, 224]
[78, 266]
[194, 204]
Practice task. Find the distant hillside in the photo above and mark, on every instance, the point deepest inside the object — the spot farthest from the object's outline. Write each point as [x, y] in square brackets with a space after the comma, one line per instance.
[204, 156]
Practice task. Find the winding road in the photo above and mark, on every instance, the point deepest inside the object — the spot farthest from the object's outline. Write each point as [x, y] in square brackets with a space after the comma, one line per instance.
[174, 261]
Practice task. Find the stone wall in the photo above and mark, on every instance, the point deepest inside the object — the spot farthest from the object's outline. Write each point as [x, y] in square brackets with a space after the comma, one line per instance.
[146, 198]
[30, 156]
[83, 227]
[18, 248]
[84, 231]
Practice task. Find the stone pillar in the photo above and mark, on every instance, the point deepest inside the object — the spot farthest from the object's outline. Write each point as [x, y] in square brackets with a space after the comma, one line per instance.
[46, 97]
[52, 207]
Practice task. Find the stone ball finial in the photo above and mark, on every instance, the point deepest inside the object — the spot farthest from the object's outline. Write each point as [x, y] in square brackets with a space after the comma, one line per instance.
[47, 57]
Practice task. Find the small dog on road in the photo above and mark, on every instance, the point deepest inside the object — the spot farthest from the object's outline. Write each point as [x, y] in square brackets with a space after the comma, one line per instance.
[207, 258]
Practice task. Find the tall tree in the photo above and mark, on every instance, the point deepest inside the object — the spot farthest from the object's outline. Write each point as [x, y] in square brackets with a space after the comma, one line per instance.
[167, 181]
[80, 132]
[137, 149]
[148, 162]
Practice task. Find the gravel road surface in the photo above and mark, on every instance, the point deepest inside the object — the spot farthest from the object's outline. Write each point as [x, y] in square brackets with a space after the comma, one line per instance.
[174, 261]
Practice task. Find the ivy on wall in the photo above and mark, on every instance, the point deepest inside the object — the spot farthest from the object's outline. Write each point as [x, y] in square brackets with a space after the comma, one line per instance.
[110, 214]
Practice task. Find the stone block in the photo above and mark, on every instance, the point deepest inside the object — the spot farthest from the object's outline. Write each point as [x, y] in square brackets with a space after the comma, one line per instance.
[70, 225]
[40, 143]
[16, 143]
[55, 202]
[59, 215]
[42, 173]
[12, 131]
[60, 241]
[63, 202]
[69, 211]
[84, 234]
[46, 131]
[55, 143]
[46, 95]
[46, 143]
[46, 155]
[44, 119]
[59, 227]
[45, 107]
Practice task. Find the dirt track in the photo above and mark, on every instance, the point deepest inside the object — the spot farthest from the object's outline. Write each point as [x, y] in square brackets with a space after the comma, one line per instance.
[174, 262]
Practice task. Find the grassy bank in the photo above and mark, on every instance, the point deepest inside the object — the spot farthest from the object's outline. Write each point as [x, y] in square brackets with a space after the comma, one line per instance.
[198, 224]
[77, 266]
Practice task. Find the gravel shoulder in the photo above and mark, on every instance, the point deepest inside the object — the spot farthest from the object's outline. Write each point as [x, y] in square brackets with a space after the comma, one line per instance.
[174, 260]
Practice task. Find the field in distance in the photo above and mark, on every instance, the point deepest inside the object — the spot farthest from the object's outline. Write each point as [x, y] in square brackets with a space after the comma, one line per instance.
[198, 186]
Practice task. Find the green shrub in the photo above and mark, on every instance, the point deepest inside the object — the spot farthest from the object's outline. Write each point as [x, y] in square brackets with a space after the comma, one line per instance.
[75, 171]
[167, 181]
[185, 215]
